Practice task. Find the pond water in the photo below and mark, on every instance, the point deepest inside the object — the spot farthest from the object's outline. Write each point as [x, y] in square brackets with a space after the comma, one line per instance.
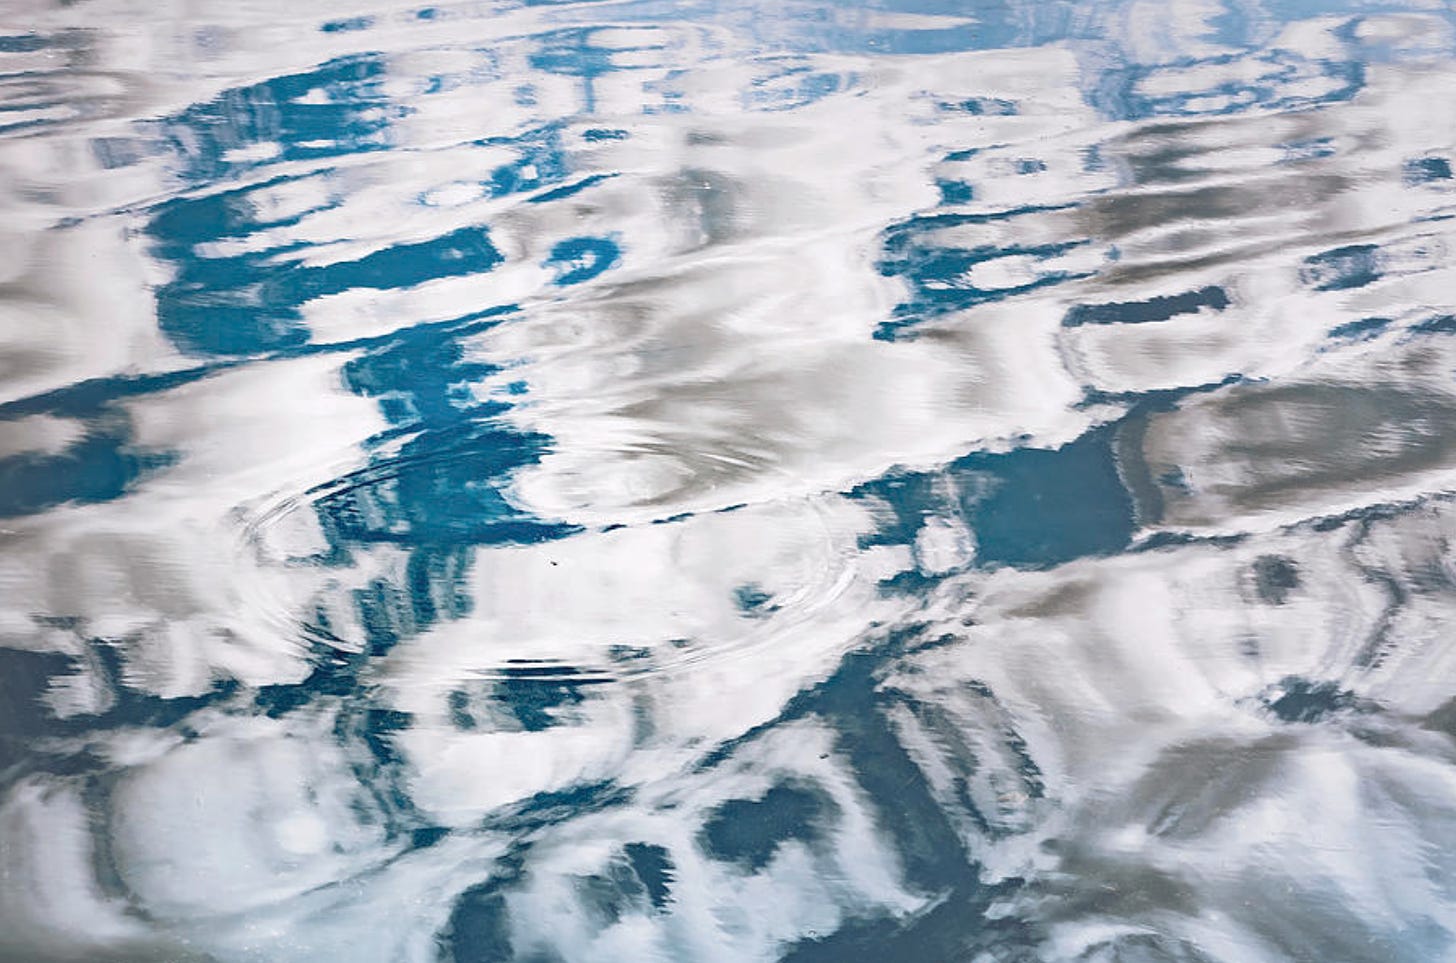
[899, 481]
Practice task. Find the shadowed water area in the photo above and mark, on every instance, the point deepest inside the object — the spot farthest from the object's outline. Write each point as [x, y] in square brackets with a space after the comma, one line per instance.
[900, 482]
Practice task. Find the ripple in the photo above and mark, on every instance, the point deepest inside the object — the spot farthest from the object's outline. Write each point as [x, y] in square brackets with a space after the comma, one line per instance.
[587, 481]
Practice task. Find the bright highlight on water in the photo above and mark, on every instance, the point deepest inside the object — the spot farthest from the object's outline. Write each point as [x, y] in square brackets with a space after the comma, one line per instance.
[727, 482]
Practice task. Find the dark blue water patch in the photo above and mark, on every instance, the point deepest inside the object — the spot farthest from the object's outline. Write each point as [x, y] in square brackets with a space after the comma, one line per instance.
[953, 193]
[24, 680]
[434, 494]
[1153, 309]
[635, 881]
[346, 26]
[101, 466]
[24, 43]
[250, 303]
[461, 252]
[598, 134]
[932, 857]
[379, 727]
[444, 488]
[1360, 330]
[385, 615]
[1342, 268]
[580, 259]
[753, 601]
[935, 273]
[177, 225]
[908, 817]
[1030, 508]
[1048, 507]
[937, 278]
[437, 583]
[458, 703]
[604, 898]
[366, 732]
[944, 933]
[441, 489]
[536, 695]
[478, 929]
[94, 399]
[569, 190]
[654, 867]
[124, 705]
[334, 673]
[1300, 700]
[903, 240]
[747, 832]
[559, 806]
[427, 836]
[1441, 324]
[444, 485]
[1362, 515]
[960, 758]
[25, 718]
[1275, 578]
[1159, 399]
[433, 590]
[25, 90]
[422, 371]
[1158, 541]
[1424, 170]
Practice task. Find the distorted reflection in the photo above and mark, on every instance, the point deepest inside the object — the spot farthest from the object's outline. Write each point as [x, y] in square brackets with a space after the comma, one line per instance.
[729, 482]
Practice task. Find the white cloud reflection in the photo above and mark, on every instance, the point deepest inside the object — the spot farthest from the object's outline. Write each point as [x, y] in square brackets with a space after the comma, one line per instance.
[284, 693]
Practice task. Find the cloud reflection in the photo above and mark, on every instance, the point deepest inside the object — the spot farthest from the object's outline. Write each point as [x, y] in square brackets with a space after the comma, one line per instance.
[585, 481]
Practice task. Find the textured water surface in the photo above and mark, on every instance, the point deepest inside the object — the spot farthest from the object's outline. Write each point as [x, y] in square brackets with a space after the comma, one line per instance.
[902, 482]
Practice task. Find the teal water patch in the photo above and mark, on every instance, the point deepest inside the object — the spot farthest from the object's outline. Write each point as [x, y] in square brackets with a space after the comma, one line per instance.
[1029, 508]
[101, 466]
[654, 867]
[1160, 308]
[748, 832]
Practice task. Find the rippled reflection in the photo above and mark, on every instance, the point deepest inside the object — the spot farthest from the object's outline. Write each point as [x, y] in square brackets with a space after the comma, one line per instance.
[736, 481]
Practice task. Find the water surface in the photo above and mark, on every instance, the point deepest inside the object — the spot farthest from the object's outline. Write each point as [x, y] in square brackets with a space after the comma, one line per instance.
[738, 481]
